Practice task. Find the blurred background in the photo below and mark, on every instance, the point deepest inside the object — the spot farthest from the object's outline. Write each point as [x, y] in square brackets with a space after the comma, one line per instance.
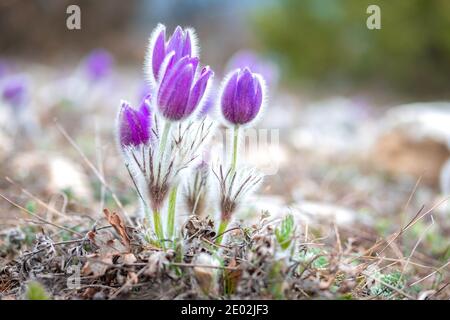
[363, 115]
[324, 44]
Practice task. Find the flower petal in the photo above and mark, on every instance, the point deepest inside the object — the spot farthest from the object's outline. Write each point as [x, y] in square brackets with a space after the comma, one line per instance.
[256, 101]
[178, 91]
[134, 125]
[176, 43]
[199, 89]
[158, 53]
[168, 82]
[187, 46]
[228, 97]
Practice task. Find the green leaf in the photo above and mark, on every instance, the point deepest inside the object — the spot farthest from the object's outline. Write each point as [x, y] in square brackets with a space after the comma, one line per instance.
[31, 206]
[35, 291]
[285, 231]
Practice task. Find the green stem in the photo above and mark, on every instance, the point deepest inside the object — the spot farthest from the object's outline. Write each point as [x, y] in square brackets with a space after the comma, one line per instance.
[235, 149]
[222, 227]
[158, 226]
[171, 213]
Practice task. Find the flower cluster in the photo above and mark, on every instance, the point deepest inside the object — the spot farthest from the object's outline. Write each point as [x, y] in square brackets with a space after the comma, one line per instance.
[164, 140]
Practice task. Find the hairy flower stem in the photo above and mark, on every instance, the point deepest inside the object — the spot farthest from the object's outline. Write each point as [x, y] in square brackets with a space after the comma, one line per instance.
[163, 142]
[222, 227]
[158, 226]
[235, 149]
[224, 223]
[171, 212]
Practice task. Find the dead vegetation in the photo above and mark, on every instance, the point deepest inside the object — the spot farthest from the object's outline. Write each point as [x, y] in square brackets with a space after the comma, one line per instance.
[110, 259]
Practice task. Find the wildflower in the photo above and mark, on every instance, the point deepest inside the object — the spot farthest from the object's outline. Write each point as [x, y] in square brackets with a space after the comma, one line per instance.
[241, 100]
[180, 92]
[182, 89]
[15, 91]
[242, 96]
[98, 64]
[179, 86]
[134, 125]
[182, 43]
[156, 177]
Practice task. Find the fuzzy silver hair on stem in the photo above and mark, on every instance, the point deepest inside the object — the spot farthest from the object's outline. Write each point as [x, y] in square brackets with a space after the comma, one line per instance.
[241, 99]
[188, 140]
[196, 189]
[235, 186]
[156, 173]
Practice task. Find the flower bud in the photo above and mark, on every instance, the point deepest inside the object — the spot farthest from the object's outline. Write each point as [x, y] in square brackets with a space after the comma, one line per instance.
[242, 96]
[134, 125]
[182, 43]
[182, 89]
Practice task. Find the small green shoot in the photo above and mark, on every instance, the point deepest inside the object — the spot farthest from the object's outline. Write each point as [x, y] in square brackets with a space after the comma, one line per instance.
[285, 231]
[316, 257]
[31, 206]
[393, 279]
[35, 291]
[276, 281]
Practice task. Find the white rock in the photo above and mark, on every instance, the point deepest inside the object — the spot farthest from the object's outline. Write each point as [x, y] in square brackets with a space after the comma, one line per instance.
[65, 174]
[421, 121]
[56, 172]
[413, 139]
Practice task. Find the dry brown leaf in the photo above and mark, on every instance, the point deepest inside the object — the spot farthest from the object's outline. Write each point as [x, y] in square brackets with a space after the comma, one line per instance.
[89, 293]
[98, 263]
[232, 277]
[132, 278]
[118, 224]
[127, 258]
[97, 266]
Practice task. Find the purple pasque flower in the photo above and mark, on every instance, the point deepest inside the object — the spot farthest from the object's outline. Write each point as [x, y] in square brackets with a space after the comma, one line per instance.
[134, 125]
[242, 96]
[183, 42]
[98, 64]
[182, 88]
[15, 91]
